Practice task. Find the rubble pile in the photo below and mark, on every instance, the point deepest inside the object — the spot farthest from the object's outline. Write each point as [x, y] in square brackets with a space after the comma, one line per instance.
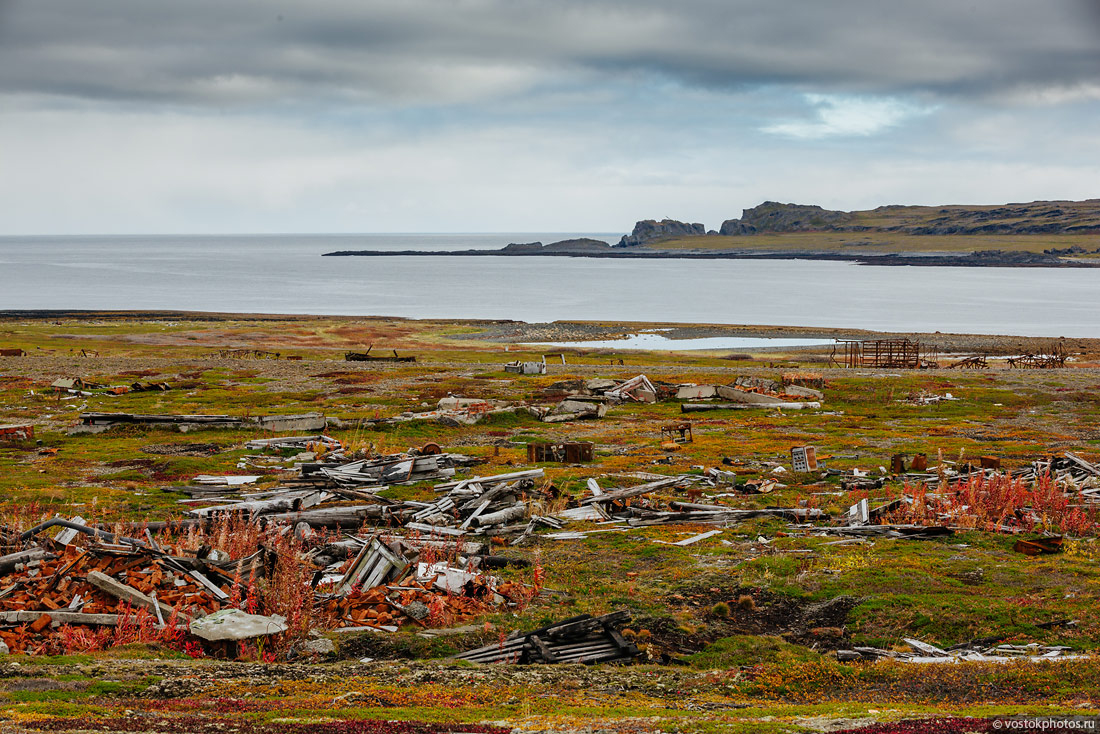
[87, 578]
[104, 584]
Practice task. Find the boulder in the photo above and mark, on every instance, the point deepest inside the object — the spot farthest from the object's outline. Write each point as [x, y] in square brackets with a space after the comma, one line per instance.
[321, 647]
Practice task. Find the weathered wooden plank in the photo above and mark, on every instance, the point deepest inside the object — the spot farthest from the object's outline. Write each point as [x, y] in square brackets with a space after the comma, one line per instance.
[515, 512]
[121, 591]
[701, 407]
[61, 617]
[621, 494]
[9, 562]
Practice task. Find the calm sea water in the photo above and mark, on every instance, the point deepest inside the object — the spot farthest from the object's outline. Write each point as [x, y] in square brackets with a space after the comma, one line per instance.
[286, 274]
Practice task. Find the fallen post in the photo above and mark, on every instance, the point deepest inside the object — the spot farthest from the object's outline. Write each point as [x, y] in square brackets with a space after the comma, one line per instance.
[702, 407]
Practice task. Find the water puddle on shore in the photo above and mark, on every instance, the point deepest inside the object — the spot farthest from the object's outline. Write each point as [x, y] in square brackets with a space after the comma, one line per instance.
[661, 343]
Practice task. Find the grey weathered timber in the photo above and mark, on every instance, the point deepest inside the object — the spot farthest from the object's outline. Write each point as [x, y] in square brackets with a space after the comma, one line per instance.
[375, 564]
[799, 514]
[96, 422]
[582, 639]
[1090, 468]
[60, 617]
[209, 585]
[495, 479]
[337, 517]
[508, 514]
[289, 501]
[121, 591]
[434, 529]
[612, 495]
[9, 562]
[701, 407]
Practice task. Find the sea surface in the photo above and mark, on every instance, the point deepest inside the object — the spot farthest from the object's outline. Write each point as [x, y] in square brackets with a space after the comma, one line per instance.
[286, 274]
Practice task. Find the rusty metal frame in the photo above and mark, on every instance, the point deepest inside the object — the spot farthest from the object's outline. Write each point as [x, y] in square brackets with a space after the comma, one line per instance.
[884, 354]
[1053, 358]
[569, 453]
[677, 432]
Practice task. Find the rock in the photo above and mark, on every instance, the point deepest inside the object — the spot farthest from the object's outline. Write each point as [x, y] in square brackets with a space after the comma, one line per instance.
[454, 402]
[771, 216]
[320, 647]
[457, 421]
[522, 247]
[1037, 217]
[233, 624]
[416, 610]
[4, 648]
[569, 386]
[581, 244]
[649, 230]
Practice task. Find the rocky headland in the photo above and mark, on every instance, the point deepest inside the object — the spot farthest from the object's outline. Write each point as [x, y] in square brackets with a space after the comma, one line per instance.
[754, 236]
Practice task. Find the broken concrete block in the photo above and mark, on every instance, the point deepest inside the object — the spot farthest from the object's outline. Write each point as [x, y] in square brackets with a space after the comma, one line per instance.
[233, 624]
[696, 392]
[303, 422]
[735, 395]
[804, 392]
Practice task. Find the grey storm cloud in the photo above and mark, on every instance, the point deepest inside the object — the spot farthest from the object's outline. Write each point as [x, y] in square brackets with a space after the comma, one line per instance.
[211, 52]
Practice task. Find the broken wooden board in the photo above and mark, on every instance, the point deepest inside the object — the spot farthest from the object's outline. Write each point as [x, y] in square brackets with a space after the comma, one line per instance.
[121, 591]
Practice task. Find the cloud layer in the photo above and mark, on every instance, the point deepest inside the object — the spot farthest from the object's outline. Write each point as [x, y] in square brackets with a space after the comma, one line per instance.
[213, 52]
[362, 115]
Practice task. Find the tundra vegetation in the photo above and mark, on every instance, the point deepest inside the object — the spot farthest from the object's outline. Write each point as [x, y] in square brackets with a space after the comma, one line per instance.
[721, 622]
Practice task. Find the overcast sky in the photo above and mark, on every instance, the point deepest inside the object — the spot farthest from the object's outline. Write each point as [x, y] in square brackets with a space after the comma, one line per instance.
[150, 116]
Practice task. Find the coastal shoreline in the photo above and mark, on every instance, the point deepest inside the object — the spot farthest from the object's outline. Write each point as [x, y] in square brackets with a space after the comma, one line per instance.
[969, 260]
[522, 333]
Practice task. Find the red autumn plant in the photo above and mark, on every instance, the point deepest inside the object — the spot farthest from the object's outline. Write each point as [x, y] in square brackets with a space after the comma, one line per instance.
[999, 503]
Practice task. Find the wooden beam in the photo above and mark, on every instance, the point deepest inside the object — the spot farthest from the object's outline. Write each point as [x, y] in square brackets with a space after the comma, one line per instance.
[121, 591]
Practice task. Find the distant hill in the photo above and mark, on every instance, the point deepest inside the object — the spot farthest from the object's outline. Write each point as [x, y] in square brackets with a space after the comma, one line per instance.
[1045, 234]
[1035, 218]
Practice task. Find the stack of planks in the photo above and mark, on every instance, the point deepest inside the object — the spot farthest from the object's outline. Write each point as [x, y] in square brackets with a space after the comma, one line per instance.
[583, 639]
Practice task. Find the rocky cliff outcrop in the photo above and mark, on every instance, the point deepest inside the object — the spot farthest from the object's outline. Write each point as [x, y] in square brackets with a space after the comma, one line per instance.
[650, 230]
[771, 216]
[1038, 217]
